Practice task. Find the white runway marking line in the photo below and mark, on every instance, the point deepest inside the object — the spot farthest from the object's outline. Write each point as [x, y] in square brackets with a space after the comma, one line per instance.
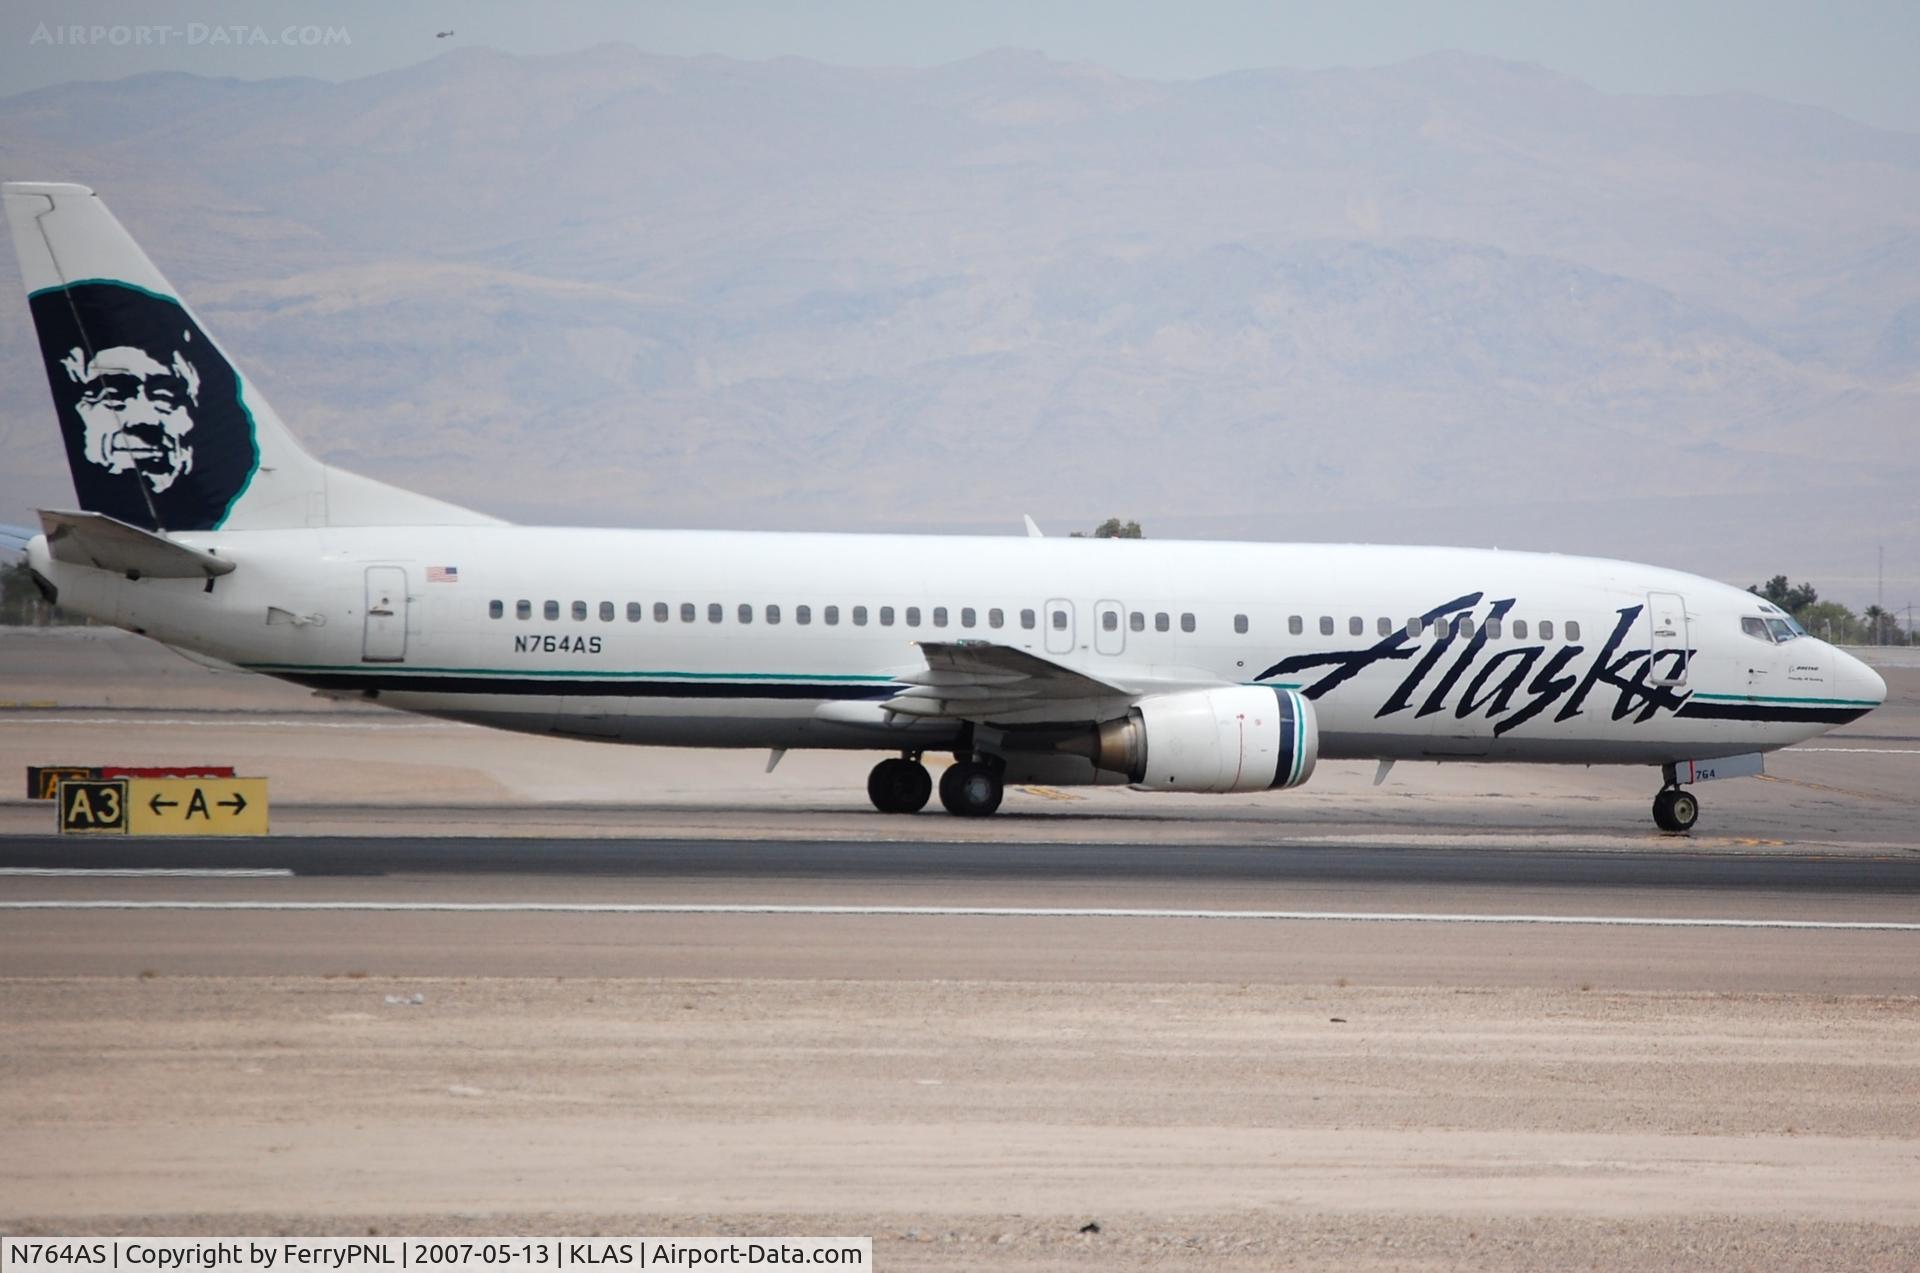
[1866, 751]
[155, 872]
[965, 912]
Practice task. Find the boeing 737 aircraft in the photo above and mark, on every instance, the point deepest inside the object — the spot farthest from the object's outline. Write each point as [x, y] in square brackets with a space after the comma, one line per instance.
[1205, 667]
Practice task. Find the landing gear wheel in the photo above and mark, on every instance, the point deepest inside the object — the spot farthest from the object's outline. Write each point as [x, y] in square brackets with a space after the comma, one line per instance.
[899, 786]
[971, 790]
[1676, 810]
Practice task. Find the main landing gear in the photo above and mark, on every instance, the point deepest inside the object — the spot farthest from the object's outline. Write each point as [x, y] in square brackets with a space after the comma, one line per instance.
[900, 785]
[1675, 809]
[971, 788]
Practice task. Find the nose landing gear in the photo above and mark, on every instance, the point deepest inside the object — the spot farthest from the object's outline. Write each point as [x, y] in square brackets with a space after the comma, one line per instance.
[1675, 809]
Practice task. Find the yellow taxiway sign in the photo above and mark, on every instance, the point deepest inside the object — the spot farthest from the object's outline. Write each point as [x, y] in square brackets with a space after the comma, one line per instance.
[164, 806]
[197, 806]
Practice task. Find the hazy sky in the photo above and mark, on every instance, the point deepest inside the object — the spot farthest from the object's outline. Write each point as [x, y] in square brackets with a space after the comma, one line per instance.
[1853, 56]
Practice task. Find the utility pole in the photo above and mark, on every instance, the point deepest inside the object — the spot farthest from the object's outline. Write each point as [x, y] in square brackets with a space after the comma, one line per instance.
[1880, 601]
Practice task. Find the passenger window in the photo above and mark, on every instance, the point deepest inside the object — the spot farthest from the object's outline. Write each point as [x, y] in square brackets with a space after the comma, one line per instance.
[715, 612]
[1519, 629]
[606, 612]
[1463, 626]
[1326, 625]
[803, 615]
[1492, 629]
[1573, 629]
[1162, 621]
[939, 616]
[967, 616]
[1757, 629]
[1186, 621]
[551, 609]
[1385, 626]
[1414, 628]
[996, 618]
[745, 612]
[1546, 629]
[886, 616]
[686, 612]
[859, 616]
[635, 612]
[1296, 625]
[1026, 619]
[523, 609]
[913, 617]
[831, 615]
[1356, 626]
[1240, 624]
[579, 609]
[1059, 620]
[1137, 621]
[1109, 620]
[495, 609]
[773, 614]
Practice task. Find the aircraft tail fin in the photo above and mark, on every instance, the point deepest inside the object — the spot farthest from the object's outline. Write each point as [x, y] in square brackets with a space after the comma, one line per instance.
[163, 432]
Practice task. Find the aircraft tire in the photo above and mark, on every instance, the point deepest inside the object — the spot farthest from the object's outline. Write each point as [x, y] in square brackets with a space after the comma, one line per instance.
[971, 790]
[1676, 809]
[899, 785]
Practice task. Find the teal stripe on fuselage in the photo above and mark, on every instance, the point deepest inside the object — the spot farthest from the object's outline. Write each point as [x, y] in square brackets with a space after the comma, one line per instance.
[569, 673]
[1786, 698]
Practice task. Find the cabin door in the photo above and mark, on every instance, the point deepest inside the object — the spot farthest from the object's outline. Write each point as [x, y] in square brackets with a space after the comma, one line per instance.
[385, 639]
[1671, 643]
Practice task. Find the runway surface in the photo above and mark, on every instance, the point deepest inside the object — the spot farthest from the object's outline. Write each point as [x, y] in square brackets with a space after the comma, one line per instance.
[1004, 911]
[1008, 862]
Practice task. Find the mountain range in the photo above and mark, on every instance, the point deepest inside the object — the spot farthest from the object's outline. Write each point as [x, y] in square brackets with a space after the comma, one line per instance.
[1452, 300]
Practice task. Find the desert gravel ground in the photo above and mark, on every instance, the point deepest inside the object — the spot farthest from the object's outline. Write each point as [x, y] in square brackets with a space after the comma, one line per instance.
[961, 1122]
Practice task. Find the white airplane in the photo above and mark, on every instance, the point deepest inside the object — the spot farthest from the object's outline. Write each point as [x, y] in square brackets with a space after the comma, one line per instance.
[1204, 667]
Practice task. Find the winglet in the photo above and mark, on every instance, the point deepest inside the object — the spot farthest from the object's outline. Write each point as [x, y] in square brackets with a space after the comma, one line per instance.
[1033, 527]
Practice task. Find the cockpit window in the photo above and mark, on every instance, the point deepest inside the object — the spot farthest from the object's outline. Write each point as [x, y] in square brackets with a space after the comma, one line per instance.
[1756, 628]
[1782, 629]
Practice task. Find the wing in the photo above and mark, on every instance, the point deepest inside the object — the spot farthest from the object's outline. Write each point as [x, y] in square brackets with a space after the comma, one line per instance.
[982, 681]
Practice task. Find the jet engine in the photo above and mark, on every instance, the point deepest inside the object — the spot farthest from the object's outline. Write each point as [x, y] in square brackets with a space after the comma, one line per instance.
[1238, 738]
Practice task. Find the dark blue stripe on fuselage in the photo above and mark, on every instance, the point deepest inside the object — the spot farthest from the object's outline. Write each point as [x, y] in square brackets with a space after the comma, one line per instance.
[1774, 713]
[552, 687]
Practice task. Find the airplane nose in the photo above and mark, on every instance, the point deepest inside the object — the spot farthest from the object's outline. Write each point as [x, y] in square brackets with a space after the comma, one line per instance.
[1859, 682]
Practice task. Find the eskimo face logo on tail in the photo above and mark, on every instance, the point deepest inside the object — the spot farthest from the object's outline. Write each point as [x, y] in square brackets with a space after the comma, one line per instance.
[156, 433]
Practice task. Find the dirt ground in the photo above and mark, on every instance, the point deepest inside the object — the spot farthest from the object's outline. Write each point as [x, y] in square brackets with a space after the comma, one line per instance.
[966, 1122]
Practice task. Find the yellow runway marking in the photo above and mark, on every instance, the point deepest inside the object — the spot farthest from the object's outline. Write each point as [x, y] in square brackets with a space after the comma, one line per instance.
[1050, 793]
[1821, 786]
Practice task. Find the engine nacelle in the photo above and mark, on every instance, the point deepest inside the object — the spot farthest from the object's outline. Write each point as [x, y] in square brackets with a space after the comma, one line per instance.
[1243, 738]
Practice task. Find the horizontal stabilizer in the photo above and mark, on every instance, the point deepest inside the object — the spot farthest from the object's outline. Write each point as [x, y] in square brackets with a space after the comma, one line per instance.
[94, 539]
